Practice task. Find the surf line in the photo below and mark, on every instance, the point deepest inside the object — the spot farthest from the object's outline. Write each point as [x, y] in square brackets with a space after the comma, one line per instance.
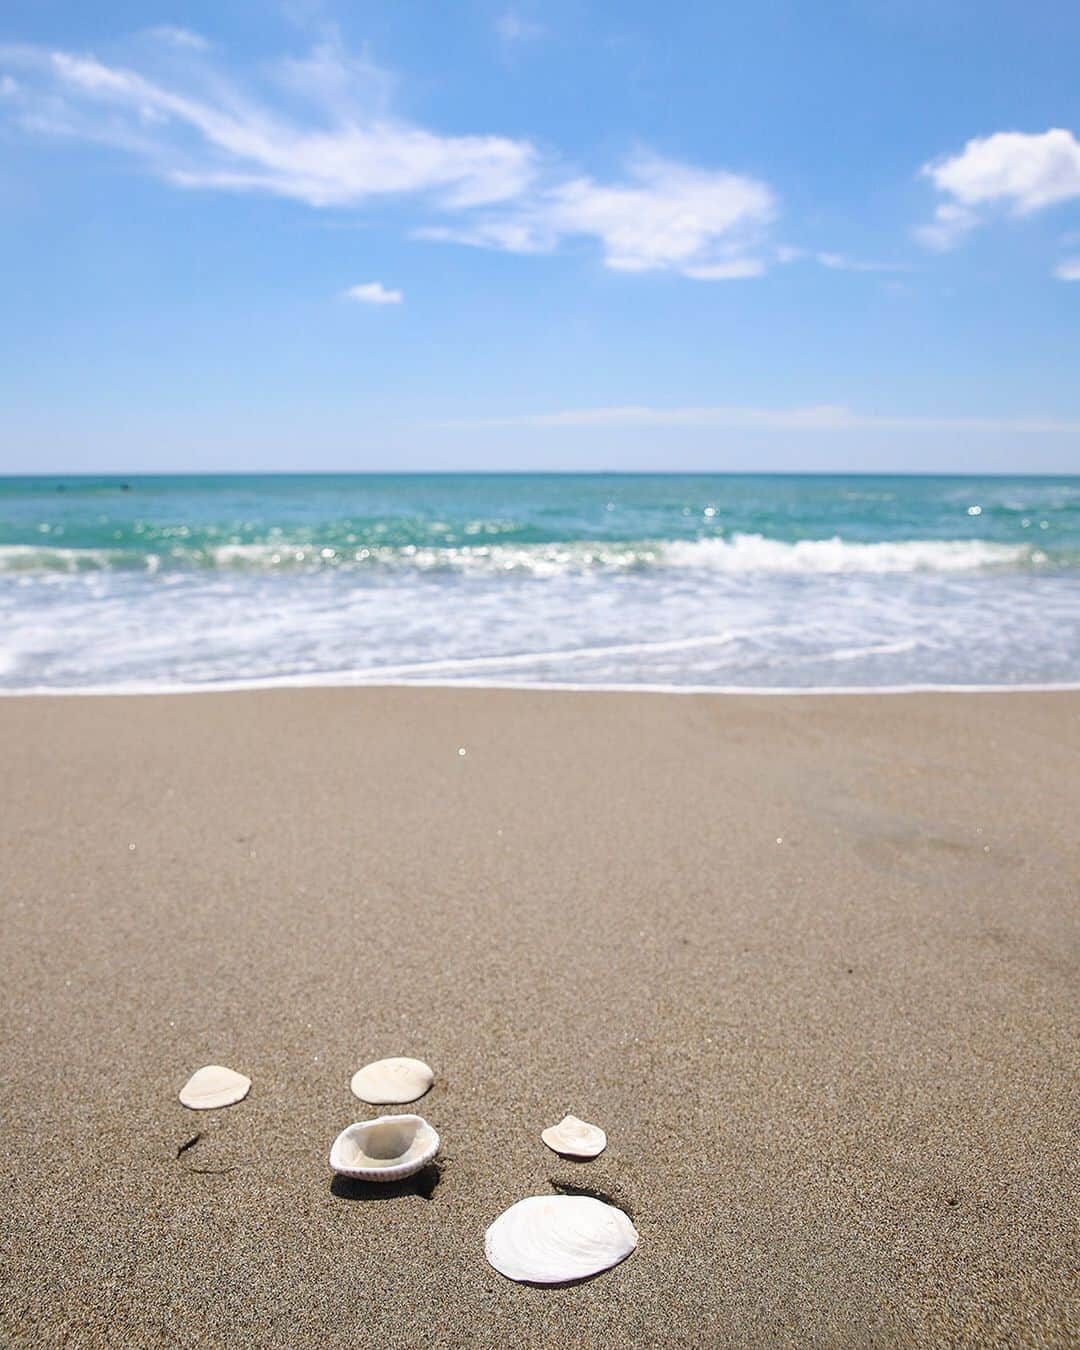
[341, 680]
[561, 654]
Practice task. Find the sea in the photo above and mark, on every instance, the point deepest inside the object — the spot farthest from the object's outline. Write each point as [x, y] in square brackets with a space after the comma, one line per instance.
[749, 582]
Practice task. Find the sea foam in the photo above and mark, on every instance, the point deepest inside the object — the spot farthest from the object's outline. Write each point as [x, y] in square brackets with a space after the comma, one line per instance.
[659, 581]
[737, 554]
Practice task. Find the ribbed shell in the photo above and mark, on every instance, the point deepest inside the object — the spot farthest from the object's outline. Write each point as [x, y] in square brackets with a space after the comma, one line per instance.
[385, 1149]
[575, 1138]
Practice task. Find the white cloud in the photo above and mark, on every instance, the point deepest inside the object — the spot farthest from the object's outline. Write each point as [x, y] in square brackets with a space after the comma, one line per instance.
[507, 236]
[176, 36]
[1022, 172]
[319, 130]
[840, 262]
[216, 133]
[1068, 270]
[703, 223]
[668, 215]
[948, 227]
[818, 417]
[374, 293]
[1026, 171]
[836, 262]
[737, 269]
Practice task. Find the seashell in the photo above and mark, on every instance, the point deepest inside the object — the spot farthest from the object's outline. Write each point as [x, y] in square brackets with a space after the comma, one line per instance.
[549, 1239]
[385, 1149]
[575, 1138]
[214, 1086]
[392, 1081]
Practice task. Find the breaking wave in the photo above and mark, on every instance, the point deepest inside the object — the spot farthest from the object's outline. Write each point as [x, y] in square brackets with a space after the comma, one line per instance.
[734, 554]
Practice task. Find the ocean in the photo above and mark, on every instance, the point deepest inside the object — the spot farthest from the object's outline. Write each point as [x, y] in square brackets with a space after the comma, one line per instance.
[743, 581]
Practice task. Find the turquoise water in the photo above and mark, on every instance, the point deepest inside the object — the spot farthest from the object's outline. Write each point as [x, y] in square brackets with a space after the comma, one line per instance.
[750, 581]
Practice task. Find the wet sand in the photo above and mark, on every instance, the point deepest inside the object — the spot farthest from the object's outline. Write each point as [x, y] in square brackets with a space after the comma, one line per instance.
[811, 962]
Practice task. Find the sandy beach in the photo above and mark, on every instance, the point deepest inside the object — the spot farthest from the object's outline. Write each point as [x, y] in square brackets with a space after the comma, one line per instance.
[811, 962]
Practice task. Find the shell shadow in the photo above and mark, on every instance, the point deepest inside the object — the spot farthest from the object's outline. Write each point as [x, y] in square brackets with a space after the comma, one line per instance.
[616, 1201]
[422, 1183]
[571, 1284]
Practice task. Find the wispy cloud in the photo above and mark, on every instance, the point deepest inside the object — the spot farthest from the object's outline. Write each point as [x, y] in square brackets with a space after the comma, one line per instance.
[818, 417]
[837, 262]
[664, 215]
[207, 131]
[1068, 269]
[508, 235]
[840, 262]
[374, 293]
[321, 130]
[513, 28]
[1011, 170]
[176, 36]
[950, 224]
[734, 269]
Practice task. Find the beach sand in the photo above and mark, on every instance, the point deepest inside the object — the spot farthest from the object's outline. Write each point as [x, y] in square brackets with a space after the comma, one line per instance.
[810, 962]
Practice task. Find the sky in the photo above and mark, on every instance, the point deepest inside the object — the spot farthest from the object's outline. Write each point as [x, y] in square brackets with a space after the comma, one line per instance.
[767, 235]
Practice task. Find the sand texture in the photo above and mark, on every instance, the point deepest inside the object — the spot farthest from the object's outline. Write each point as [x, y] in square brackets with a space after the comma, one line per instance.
[837, 1072]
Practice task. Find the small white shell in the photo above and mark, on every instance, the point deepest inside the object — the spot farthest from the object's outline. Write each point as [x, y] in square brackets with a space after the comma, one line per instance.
[549, 1239]
[392, 1081]
[575, 1138]
[385, 1149]
[214, 1086]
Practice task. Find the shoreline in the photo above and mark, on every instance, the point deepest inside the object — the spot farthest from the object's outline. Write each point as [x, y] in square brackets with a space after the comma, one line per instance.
[339, 680]
[809, 962]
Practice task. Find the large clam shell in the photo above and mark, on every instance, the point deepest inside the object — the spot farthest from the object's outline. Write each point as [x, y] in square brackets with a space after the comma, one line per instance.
[214, 1086]
[575, 1138]
[548, 1239]
[391, 1081]
[385, 1149]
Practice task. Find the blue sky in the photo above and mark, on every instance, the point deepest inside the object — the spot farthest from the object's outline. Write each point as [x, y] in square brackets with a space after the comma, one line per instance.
[839, 236]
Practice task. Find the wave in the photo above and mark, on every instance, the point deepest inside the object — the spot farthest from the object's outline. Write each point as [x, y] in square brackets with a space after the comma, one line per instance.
[757, 553]
[874, 649]
[735, 554]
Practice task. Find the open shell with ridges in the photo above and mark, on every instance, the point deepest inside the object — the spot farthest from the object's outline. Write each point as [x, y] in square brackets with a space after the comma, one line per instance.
[385, 1149]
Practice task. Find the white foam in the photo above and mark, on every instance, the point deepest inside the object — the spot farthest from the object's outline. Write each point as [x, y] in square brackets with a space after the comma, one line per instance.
[756, 553]
[342, 680]
[544, 658]
[878, 649]
[734, 554]
[35, 558]
[660, 627]
[738, 553]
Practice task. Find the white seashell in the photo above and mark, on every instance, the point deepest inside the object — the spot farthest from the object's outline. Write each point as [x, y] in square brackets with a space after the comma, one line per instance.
[392, 1081]
[214, 1086]
[385, 1149]
[548, 1239]
[575, 1138]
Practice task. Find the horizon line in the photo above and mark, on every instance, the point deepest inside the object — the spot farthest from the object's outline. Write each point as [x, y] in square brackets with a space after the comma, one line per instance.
[133, 474]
